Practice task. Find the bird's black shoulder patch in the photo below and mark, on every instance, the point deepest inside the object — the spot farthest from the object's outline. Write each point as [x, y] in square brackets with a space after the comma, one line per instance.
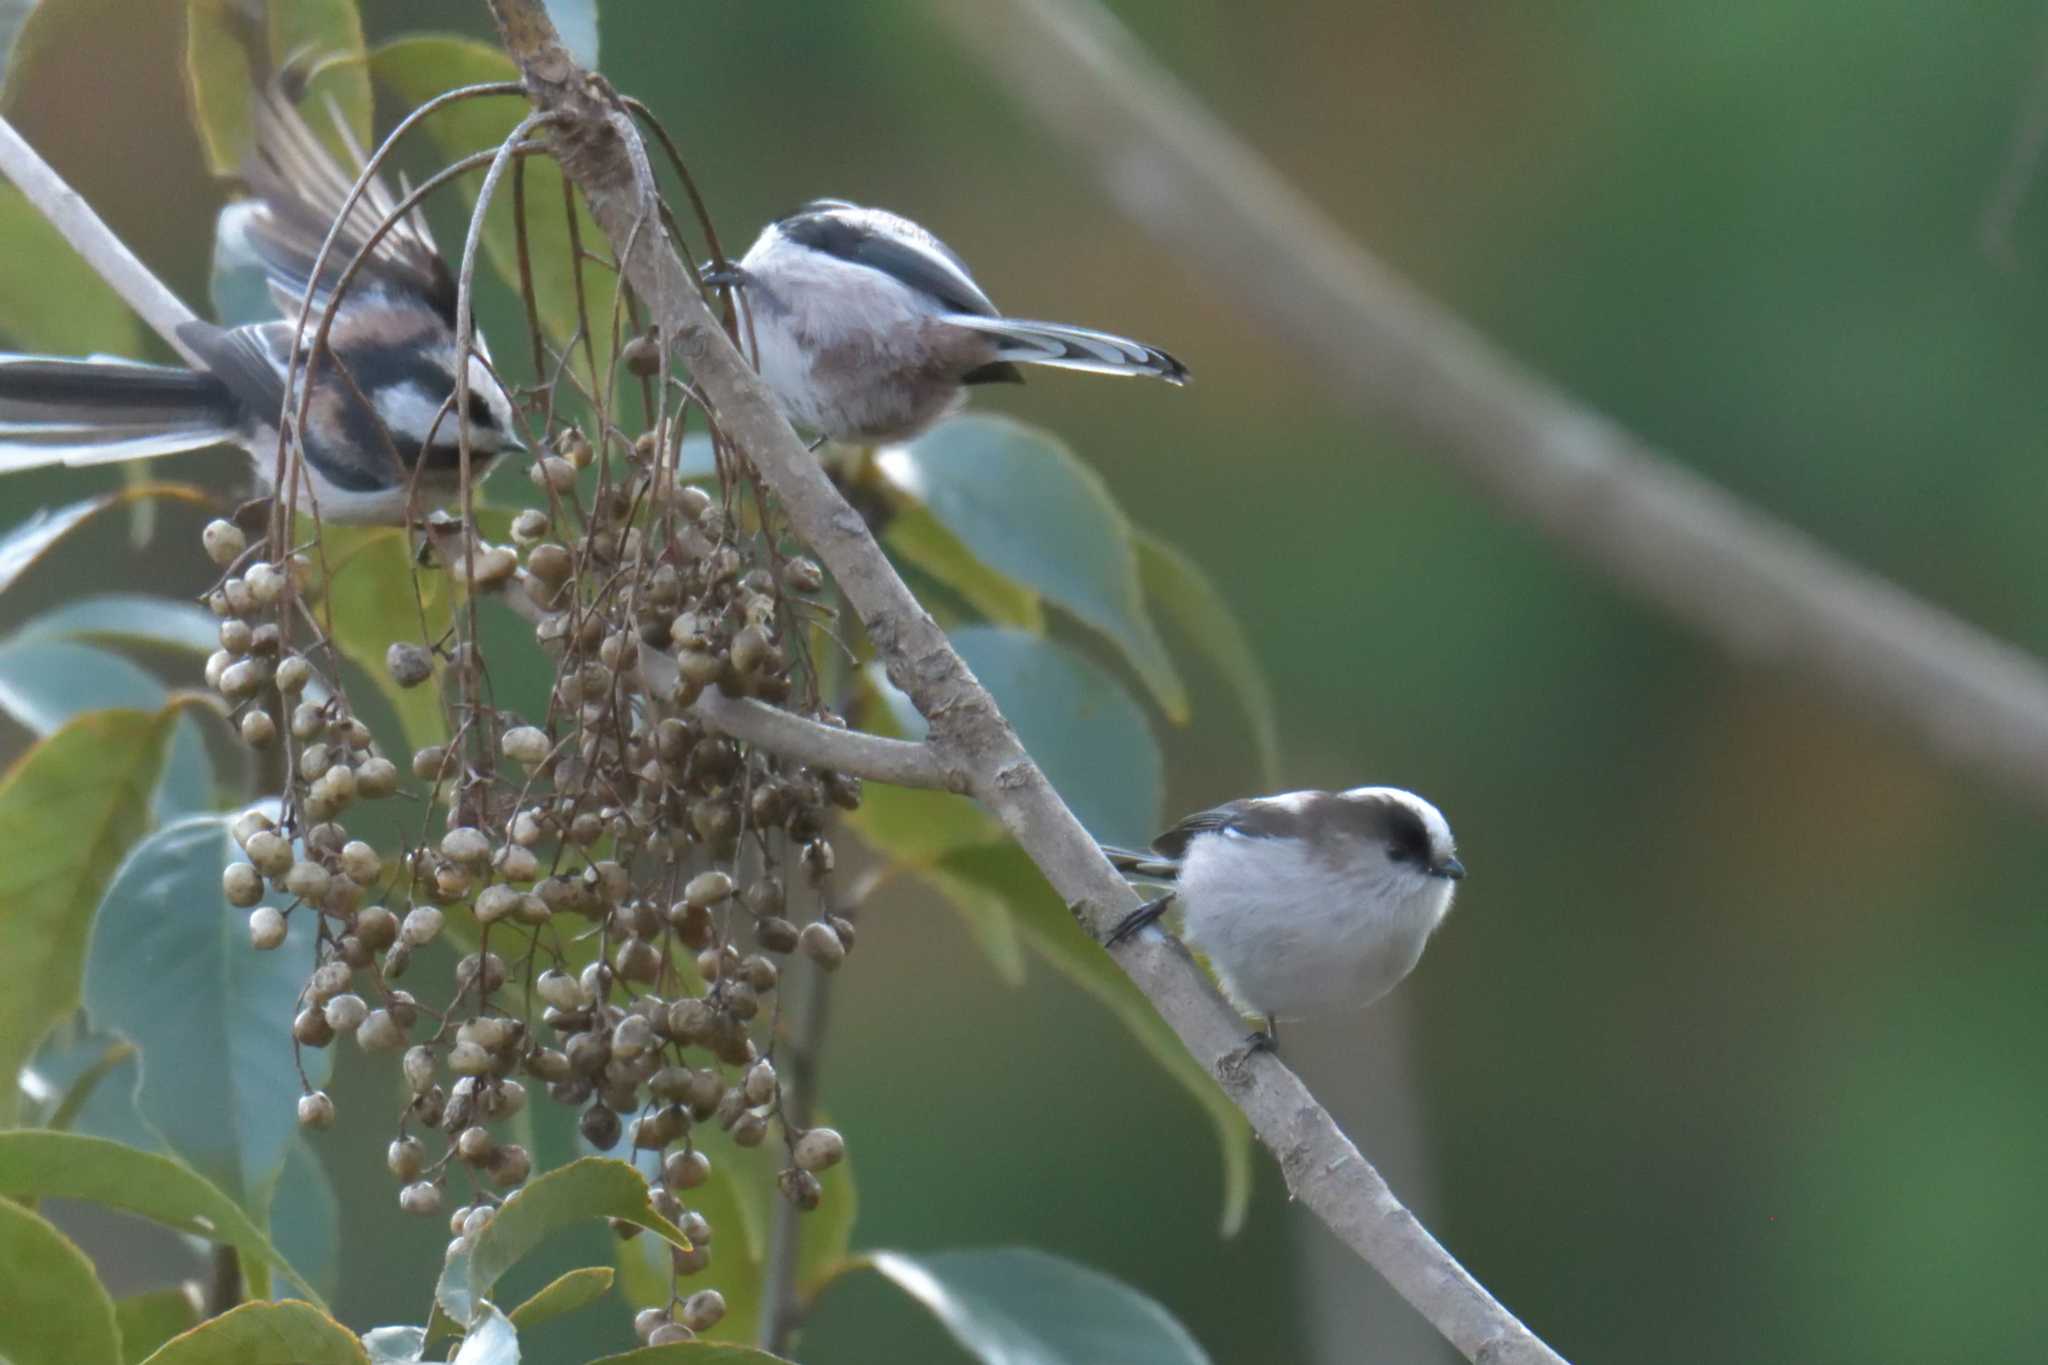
[927, 267]
[1258, 819]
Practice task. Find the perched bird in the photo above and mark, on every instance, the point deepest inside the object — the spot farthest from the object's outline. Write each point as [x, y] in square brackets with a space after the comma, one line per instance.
[868, 328]
[382, 391]
[1305, 903]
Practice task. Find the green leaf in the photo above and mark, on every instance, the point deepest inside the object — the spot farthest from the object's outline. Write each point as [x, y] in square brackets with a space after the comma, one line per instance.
[79, 1094]
[69, 809]
[150, 1319]
[130, 618]
[1089, 737]
[88, 1081]
[912, 826]
[696, 1353]
[1176, 586]
[1014, 1304]
[52, 1309]
[565, 1294]
[595, 1187]
[395, 1345]
[55, 301]
[288, 1333]
[30, 539]
[171, 969]
[490, 1340]
[372, 602]
[987, 916]
[330, 32]
[1049, 927]
[219, 77]
[913, 829]
[305, 1216]
[1026, 507]
[46, 683]
[917, 537]
[13, 13]
[42, 1164]
[218, 80]
[420, 67]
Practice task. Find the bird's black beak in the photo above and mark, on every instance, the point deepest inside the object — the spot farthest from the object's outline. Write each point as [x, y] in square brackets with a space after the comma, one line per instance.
[1450, 868]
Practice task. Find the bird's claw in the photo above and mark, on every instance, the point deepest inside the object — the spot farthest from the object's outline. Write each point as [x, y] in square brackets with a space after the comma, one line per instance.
[1130, 924]
[715, 276]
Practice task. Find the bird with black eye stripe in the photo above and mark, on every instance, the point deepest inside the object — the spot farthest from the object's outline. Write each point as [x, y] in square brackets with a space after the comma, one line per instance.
[869, 329]
[381, 429]
[1305, 903]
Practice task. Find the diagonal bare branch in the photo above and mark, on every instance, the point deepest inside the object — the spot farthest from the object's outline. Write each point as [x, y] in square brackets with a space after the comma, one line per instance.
[602, 154]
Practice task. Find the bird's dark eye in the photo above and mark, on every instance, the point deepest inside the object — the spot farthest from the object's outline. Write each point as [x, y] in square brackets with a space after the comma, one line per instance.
[1399, 854]
[480, 412]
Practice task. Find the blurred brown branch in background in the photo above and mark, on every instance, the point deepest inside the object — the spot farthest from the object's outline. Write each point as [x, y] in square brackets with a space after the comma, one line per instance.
[2022, 167]
[1760, 588]
[969, 739]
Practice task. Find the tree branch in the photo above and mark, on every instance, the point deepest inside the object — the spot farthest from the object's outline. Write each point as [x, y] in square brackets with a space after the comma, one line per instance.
[1758, 587]
[899, 762]
[808, 997]
[601, 153]
[68, 212]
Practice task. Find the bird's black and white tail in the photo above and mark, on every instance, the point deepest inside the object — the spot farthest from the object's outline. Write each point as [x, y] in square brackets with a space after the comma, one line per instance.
[77, 412]
[1149, 866]
[1072, 348]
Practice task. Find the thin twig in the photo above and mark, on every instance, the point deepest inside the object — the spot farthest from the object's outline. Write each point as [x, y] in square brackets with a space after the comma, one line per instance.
[808, 998]
[599, 148]
[876, 758]
[224, 1280]
[1756, 586]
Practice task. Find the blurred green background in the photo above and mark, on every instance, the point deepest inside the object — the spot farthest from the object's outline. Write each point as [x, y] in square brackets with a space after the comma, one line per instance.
[1732, 1048]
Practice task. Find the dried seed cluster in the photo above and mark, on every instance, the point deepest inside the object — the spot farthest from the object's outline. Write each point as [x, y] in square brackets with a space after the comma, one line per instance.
[629, 883]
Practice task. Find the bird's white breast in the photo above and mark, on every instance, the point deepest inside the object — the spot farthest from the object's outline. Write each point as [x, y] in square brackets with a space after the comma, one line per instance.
[829, 335]
[1292, 935]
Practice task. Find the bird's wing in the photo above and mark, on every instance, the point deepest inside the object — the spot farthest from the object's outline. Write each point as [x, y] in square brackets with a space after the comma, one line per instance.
[246, 361]
[895, 246]
[1253, 816]
[301, 188]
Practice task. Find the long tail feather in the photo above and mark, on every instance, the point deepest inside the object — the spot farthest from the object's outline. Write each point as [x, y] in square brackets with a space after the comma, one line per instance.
[1073, 348]
[76, 412]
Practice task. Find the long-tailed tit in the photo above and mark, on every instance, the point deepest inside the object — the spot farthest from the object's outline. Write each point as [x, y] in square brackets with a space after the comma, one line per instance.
[869, 329]
[1305, 903]
[382, 391]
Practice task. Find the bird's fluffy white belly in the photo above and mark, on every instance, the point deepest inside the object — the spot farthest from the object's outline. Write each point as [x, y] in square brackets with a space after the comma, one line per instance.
[840, 346]
[1285, 939]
